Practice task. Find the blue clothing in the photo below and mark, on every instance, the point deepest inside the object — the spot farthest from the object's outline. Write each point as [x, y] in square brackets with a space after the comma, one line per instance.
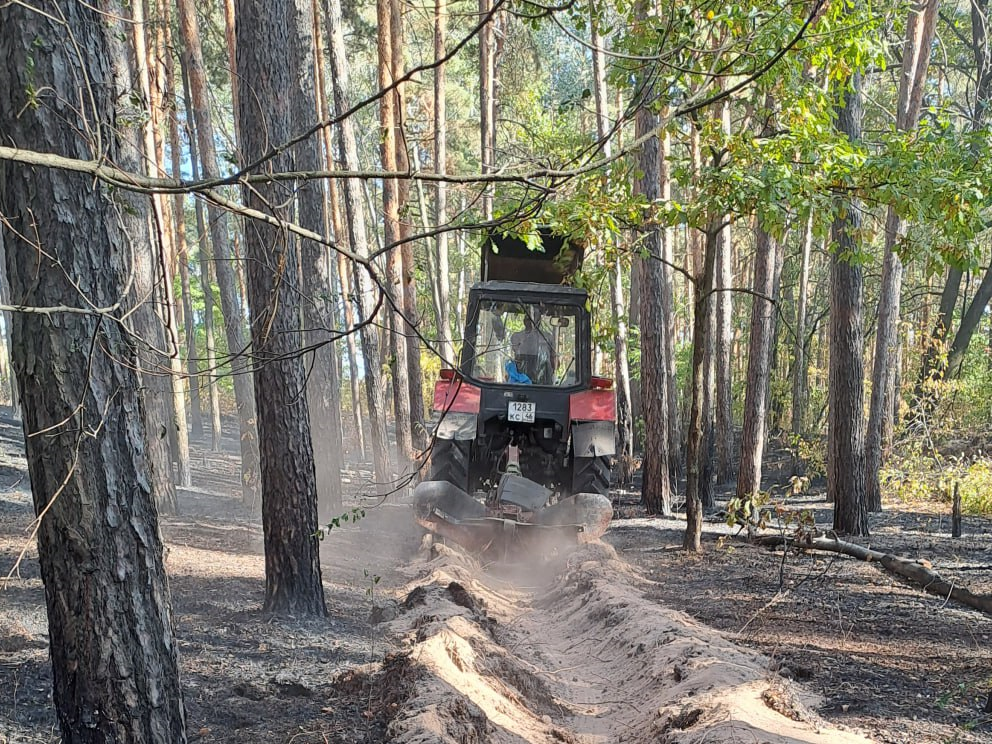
[516, 376]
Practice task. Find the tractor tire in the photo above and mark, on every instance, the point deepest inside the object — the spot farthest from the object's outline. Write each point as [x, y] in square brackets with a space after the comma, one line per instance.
[591, 475]
[450, 460]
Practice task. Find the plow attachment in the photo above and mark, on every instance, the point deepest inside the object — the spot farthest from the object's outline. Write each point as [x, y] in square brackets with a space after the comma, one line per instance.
[516, 523]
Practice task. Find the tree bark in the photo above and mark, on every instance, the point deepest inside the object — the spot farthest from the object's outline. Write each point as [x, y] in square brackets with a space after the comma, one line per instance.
[845, 415]
[800, 371]
[333, 215]
[145, 321]
[206, 284]
[487, 104]
[634, 327]
[697, 474]
[179, 228]
[621, 365]
[388, 116]
[289, 490]
[10, 381]
[441, 188]
[323, 385]
[673, 416]
[358, 239]
[723, 340]
[699, 244]
[656, 493]
[223, 253]
[969, 324]
[462, 294]
[348, 301]
[915, 61]
[113, 650]
[410, 320]
[231, 44]
[152, 89]
[754, 428]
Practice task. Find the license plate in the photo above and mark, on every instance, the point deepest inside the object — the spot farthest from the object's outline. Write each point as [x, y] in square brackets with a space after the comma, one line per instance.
[522, 412]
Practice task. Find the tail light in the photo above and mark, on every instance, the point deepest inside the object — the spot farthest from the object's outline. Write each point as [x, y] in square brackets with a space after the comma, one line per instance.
[447, 373]
[600, 383]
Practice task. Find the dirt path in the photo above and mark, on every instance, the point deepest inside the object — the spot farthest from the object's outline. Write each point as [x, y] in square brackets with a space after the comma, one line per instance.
[579, 654]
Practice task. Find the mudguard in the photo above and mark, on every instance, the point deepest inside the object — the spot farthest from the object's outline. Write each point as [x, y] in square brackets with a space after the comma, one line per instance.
[594, 438]
[458, 426]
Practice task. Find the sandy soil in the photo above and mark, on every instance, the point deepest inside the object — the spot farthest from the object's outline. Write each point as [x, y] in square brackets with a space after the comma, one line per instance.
[623, 641]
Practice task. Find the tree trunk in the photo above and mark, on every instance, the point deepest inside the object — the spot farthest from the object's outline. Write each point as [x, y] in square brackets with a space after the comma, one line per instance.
[322, 382]
[144, 320]
[179, 228]
[358, 239]
[441, 188]
[409, 322]
[723, 340]
[348, 301]
[436, 278]
[152, 88]
[9, 378]
[113, 650]
[916, 571]
[487, 104]
[934, 364]
[462, 271]
[754, 428]
[969, 324]
[697, 474]
[399, 358]
[289, 489]
[673, 416]
[333, 215]
[800, 371]
[915, 61]
[845, 425]
[206, 285]
[636, 409]
[231, 43]
[656, 493]
[625, 425]
[223, 253]
[699, 245]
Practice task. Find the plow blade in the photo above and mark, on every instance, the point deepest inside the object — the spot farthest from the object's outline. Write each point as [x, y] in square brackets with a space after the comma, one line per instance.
[590, 510]
[446, 510]
[445, 500]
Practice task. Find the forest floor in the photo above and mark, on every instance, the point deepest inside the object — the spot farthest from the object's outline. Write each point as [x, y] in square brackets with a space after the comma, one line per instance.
[627, 640]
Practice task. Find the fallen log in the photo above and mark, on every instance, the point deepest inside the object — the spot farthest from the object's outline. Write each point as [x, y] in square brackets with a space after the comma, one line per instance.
[918, 572]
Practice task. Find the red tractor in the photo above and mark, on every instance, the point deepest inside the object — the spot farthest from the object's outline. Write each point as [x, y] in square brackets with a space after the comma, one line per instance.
[525, 434]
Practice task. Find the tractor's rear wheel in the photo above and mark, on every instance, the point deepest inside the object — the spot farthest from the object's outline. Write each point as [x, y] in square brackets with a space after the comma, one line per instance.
[450, 460]
[591, 475]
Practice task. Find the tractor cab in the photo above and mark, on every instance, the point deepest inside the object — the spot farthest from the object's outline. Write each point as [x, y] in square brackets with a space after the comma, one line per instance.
[519, 335]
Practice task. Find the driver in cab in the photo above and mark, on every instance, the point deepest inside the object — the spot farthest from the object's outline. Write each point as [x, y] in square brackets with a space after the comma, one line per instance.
[532, 350]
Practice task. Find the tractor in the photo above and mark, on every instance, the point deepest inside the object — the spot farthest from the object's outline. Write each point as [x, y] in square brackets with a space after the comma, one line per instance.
[524, 434]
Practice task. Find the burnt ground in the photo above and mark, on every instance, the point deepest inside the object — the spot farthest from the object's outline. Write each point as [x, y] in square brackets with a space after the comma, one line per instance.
[887, 659]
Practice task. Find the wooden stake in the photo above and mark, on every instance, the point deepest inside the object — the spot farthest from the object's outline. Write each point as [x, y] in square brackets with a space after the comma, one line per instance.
[956, 511]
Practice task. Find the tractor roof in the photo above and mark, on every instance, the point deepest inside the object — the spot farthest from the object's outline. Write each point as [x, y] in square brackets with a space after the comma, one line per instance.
[507, 257]
[532, 290]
